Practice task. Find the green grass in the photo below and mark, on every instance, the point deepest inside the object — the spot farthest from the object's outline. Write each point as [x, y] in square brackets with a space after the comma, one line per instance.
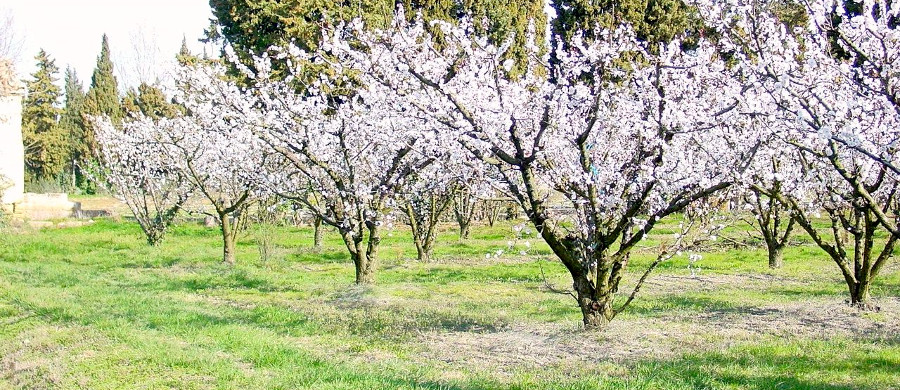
[94, 307]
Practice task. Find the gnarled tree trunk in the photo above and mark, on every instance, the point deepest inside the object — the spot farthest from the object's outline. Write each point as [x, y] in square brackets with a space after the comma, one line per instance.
[596, 309]
[365, 269]
[423, 214]
[363, 252]
[769, 212]
[859, 295]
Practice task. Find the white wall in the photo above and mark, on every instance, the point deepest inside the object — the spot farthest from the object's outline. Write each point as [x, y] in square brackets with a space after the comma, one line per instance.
[12, 152]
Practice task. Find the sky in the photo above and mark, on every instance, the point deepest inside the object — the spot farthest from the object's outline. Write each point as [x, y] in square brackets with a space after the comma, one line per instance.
[144, 36]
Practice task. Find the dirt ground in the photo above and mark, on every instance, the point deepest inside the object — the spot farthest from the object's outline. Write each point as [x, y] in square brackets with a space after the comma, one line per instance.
[667, 335]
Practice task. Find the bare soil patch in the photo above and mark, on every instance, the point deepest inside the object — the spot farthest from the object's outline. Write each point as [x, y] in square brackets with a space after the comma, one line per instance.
[630, 338]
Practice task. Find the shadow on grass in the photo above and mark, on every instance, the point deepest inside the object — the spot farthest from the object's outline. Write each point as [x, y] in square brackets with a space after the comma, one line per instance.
[442, 275]
[682, 303]
[234, 279]
[365, 315]
[309, 255]
[799, 365]
[163, 261]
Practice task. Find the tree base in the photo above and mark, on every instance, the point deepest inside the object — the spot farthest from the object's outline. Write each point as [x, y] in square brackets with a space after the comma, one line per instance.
[867, 306]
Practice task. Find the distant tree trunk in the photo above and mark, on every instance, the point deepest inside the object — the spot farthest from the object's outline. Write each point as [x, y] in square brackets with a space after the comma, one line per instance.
[464, 210]
[512, 211]
[424, 249]
[423, 213]
[464, 230]
[229, 234]
[863, 264]
[769, 212]
[154, 237]
[493, 211]
[317, 232]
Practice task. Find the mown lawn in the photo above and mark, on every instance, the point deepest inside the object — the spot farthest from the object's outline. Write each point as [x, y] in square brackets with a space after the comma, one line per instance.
[95, 308]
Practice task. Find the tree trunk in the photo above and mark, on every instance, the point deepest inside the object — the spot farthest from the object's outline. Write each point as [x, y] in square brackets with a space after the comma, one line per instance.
[365, 269]
[424, 248]
[464, 230]
[154, 237]
[364, 259]
[493, 211]
[596, 313]
[512, 211]
[859, 296]
[317, 232]
[228, 237]
[464, 211]
[422, 251]
[776, 255]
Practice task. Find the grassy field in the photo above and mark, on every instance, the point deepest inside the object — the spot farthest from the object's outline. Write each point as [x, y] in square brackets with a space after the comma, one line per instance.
[95, 308]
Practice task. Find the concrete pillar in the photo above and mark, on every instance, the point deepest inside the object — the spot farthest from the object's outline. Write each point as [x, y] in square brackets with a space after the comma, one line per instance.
[12, 152]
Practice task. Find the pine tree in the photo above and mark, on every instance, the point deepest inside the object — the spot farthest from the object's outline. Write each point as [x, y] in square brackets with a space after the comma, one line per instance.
[103, 96]
[46, 149]
[73, 126]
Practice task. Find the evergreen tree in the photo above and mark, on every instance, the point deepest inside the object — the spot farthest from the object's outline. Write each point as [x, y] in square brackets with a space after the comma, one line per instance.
[653, 20]
[184, 56]
[72, 124]
[103, 96]
[252, 26]
[149, 101]
[46, 149]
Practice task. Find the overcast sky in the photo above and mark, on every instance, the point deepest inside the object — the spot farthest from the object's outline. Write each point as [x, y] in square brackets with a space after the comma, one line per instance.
[71, 31]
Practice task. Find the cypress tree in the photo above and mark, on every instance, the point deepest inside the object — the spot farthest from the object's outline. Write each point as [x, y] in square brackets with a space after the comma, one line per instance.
[46, 149]
[184, 56]
[73, 126]
[103, 96]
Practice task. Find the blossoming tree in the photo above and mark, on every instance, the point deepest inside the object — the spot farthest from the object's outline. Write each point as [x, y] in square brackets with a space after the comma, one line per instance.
[827, 84]
[140, 176]
[625, 136]
[211, 150]
[423, 200]
[352, 150]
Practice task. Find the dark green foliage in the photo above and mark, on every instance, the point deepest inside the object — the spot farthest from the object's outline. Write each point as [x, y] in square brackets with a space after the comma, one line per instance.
[103, 96]
[792, 13]
[149, 101]
[46, 150]
[253, 26]
[72, 124]
[654, 21]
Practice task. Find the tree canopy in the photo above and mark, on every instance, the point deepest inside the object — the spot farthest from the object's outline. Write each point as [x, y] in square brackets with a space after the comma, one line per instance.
[45, 142]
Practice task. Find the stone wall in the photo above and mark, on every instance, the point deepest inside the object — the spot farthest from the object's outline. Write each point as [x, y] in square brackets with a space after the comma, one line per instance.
[12, 152]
